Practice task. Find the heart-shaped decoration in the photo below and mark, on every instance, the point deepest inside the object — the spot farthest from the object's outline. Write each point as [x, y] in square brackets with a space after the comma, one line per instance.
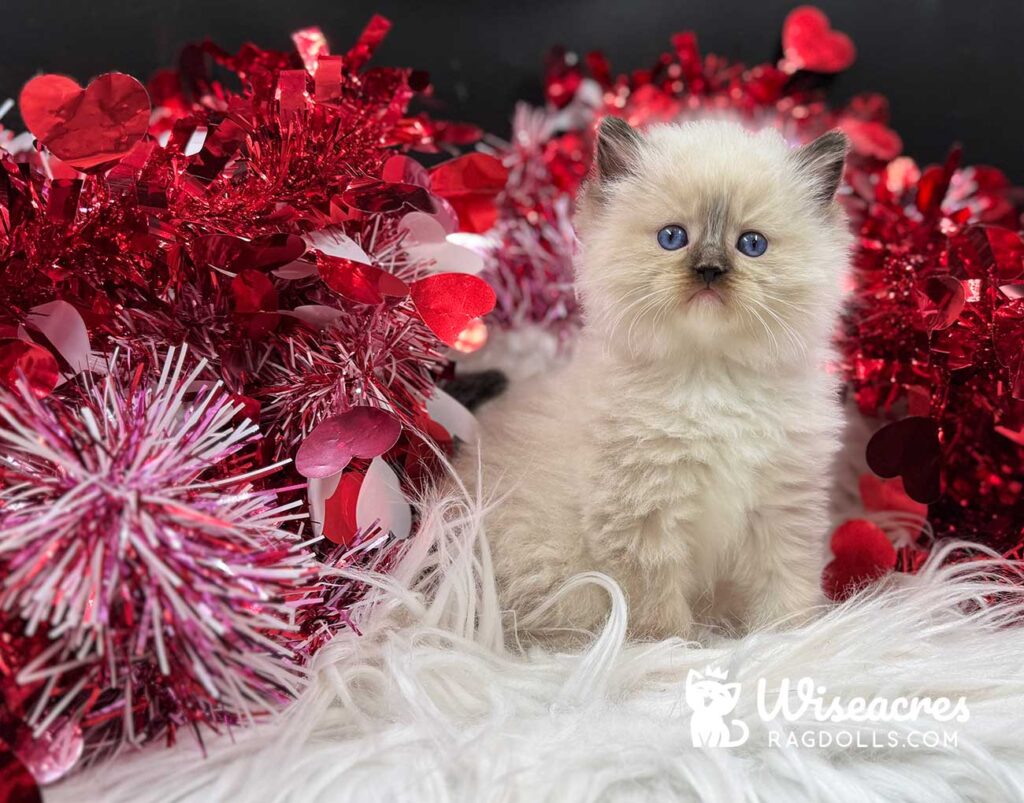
[872, 138]
[90, 128]
[863, 553]
[38, 365]
[810, 43]
[381, 502]
[1008, 338]
[255, 303]
[910, 449]
[984, 249]
[426, 240]
[376, 197]
[235, 254]
[884, 496]
[449, 302]
[340, 525]
[364, 284]
[471, 184]
[940, 300]
[363, 432]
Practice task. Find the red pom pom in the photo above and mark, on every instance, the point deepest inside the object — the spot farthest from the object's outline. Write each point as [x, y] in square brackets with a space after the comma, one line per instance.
[863, 553]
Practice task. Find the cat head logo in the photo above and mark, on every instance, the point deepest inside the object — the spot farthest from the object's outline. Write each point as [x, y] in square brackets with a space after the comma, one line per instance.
[712, 698]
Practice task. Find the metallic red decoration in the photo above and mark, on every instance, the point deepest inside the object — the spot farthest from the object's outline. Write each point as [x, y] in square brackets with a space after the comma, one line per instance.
[449, 302]
[363, 432]
[470, 184]
[222, 220]
[87, 128]
[810, 43]
[16, 783]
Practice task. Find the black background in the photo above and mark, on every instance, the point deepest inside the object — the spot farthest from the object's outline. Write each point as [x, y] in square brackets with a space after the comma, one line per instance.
[953, 69]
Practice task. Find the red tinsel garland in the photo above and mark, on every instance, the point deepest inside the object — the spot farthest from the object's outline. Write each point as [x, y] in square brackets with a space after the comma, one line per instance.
[148, 577]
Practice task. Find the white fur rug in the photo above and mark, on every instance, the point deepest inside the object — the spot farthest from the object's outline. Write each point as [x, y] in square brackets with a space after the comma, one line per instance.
[428, 705]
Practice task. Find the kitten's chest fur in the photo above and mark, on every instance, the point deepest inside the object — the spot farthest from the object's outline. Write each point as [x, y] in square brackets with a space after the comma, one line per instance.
[679, 463]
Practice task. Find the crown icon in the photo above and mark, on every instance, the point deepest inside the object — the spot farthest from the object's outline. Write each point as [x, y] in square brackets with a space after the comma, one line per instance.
[716, 673]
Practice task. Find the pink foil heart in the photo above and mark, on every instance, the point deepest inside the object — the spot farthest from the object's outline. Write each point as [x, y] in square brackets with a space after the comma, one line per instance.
[872, 138]
[89, 128]
[363, 432]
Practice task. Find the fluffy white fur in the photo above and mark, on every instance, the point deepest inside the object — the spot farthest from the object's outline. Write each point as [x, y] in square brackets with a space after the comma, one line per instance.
[686, 448]
[429, 705]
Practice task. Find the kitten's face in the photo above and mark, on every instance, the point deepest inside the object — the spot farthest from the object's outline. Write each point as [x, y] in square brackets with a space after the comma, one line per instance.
[705, 238]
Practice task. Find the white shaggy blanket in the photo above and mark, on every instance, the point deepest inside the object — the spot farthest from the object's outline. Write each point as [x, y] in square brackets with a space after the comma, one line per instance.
[429, 705]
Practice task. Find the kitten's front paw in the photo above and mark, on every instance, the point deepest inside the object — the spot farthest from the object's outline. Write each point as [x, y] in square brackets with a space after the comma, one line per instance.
[786, 603]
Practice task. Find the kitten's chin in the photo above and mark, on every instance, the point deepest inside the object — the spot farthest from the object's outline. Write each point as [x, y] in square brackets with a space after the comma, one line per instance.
[707, 298]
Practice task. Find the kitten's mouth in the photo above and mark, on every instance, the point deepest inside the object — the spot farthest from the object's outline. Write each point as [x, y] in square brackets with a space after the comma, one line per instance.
[706, 296]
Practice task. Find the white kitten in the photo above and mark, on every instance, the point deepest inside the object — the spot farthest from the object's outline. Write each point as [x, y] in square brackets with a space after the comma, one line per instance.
[685, 449]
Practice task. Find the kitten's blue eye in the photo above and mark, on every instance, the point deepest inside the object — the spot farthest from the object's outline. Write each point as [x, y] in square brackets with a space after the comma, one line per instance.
[752, 243]
[672, 238]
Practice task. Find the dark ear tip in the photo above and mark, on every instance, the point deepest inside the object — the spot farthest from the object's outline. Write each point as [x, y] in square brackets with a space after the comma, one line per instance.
[835, 140]
[613, 125]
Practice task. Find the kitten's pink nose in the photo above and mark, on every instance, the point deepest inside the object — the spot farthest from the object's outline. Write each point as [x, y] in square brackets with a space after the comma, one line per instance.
[709, 272]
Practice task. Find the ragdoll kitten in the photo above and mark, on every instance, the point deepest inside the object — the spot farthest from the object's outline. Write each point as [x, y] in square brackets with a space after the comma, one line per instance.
[685, 449]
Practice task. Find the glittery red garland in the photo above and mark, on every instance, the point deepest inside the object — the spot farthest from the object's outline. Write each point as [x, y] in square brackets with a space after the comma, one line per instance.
[260, 219]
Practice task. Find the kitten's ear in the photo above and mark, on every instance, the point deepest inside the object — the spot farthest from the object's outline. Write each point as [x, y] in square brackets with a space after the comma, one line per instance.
[693, 676]
[617, 146]
[822, 161]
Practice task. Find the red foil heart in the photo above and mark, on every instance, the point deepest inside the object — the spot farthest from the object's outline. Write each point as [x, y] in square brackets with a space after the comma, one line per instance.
[380, 197]
[984, 249]
[356, 281]
[810, 43]
[89, 128]
[448, 303]
[470, 184]
[235, 254]
[871, 138]
[340, 510]
[255, 300]
[940, 300]
[38, 365]
[880, 496]
[863, 554]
